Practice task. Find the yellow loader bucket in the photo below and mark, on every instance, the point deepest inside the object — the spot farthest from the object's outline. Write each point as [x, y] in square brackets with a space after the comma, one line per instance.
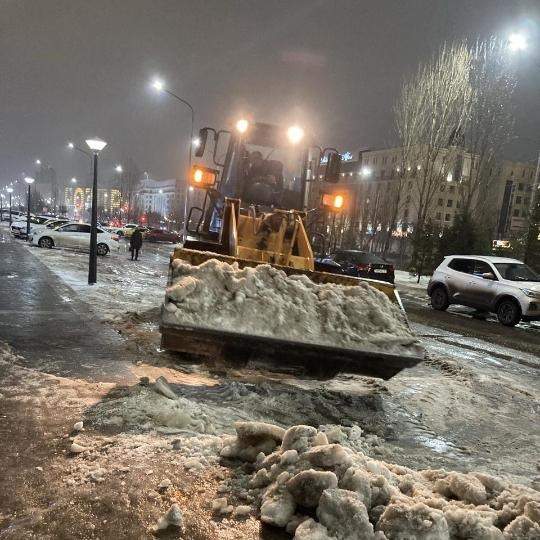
[216, 339]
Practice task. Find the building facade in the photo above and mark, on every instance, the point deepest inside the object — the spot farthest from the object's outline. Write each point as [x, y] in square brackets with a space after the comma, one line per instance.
[157, 196]
[78, 200]
[383, 192]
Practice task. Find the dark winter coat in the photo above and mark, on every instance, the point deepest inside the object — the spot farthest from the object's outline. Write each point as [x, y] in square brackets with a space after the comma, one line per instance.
[135, 242]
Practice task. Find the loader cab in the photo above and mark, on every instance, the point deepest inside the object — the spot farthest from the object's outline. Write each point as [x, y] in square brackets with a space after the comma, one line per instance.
[261, 165]
[260, 169]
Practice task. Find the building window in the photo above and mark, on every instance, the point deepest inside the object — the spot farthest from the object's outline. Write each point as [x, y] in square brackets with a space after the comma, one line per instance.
[511, 173]
[446, 217]
[382, 173]
[367, 161]
[375, 160]
[438, 216]
[516, 212]
[518, 200]
[527, 201]
[440, 202]
[406, 214]
[530, 175]
[524, 213]
[520, 187]
[458, 204]
[451, 189]
[449, 203]
[384, 160]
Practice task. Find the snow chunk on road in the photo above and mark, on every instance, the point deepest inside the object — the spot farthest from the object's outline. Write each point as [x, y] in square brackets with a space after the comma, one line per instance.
[281, 306]
[419, 521]
[307, 486]
[356, 497]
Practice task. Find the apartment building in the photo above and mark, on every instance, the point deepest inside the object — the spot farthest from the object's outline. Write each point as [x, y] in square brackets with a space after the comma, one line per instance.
[373, 180]
[157, 196]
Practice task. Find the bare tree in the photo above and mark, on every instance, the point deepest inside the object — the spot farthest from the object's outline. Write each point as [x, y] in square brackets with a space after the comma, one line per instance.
[431, 110]
[489, 125]
[129, 182]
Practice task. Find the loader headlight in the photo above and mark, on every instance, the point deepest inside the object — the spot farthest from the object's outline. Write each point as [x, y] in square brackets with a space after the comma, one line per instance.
[242, 125]
[202, 177]
[295, 134]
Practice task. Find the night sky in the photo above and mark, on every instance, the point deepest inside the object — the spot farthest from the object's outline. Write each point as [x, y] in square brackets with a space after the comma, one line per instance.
[72, 69]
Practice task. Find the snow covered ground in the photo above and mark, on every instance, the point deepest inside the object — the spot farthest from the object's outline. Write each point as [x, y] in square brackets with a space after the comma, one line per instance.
[469, 407]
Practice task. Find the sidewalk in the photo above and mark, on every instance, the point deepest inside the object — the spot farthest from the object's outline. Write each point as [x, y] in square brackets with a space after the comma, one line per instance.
[42, 319]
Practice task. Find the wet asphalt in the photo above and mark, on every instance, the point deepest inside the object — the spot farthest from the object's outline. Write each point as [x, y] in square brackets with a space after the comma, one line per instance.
[43, 321]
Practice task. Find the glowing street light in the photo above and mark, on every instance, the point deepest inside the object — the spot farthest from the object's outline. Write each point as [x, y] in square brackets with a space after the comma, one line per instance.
[158, 84]
[73, 180]
[70, 145]
[517, 42]
[119, 169]
[365, 172]
[196, 142]
[38, 161]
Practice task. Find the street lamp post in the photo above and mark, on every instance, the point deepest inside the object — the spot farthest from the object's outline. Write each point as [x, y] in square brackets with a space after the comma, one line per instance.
[9, 189]
[29, 180]
[159, 86]
[95, 145]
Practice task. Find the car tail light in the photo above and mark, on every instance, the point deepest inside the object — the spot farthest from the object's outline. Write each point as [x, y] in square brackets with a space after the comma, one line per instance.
[363, 267]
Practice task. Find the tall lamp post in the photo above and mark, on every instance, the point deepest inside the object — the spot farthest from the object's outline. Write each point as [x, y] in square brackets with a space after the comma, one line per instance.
[9, 189]
[96, 146]
[160, 87]
[29, 180]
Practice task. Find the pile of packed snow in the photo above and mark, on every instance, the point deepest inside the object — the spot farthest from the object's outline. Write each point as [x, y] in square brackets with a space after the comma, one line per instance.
[265, 301]
[319, 490]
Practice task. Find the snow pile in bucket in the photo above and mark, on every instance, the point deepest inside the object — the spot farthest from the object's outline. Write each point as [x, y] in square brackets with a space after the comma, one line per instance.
[317, 490]
[266, 302]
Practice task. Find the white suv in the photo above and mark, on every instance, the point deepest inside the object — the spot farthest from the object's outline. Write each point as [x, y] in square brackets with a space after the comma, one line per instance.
[506, 287]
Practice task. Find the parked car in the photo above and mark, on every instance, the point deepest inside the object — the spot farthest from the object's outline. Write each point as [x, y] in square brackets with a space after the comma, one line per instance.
[18, 228]
[76, 236]
[15, 215]
[49, 224]
[161, 235]
[506, 287]
[127, 229]
[358, 264]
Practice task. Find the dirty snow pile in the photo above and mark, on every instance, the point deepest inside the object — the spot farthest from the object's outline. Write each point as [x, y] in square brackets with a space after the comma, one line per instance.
[157, 407]
[319, 490]
[265, 301]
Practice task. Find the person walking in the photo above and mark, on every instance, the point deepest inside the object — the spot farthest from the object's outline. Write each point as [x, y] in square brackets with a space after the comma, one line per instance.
[135, 243]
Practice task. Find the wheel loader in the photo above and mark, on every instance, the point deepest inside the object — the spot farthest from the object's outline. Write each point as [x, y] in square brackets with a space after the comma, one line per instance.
[249, 204]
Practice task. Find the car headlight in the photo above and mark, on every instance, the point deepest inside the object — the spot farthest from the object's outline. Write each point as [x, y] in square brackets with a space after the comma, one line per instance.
[530, 293]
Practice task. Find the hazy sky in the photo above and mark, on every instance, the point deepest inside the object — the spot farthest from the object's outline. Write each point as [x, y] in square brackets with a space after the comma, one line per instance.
[77, 68]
